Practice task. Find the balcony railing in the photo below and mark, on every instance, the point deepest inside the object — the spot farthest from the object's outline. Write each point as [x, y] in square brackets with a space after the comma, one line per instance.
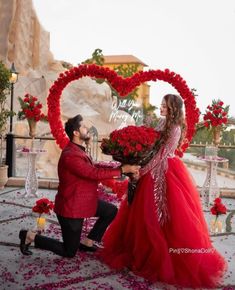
[17, 162]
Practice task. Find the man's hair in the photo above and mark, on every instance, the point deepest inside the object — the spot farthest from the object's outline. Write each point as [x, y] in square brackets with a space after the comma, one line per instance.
[73, 124]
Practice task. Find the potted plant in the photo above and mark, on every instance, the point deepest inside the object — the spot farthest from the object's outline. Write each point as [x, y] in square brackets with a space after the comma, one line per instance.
[5, 113]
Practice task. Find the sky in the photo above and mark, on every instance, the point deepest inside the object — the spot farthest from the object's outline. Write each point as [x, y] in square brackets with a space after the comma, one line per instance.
[194, 38]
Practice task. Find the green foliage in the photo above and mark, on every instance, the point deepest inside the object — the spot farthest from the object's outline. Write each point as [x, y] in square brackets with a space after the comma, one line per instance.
[4, 92]
[4, 80]
[66, 64]
[97, 58]
[228, 138]
[126, 70]
[204, 136]
[150, 118]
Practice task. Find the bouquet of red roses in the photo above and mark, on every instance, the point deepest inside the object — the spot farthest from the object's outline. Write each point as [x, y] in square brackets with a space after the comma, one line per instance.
[132, 145]
[218, 207]
[31, 109]
[216, 114]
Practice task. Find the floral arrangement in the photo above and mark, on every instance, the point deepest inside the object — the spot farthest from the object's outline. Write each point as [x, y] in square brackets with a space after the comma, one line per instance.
[216, 114]
[123, 86]
[31, 109]
[43, 205]
[131, 144]
[218, 207]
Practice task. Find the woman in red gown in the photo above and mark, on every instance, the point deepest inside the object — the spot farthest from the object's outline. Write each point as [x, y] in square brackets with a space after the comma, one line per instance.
[163, 236]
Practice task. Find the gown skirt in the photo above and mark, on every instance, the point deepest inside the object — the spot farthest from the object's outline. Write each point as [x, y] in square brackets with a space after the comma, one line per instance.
[179, 252]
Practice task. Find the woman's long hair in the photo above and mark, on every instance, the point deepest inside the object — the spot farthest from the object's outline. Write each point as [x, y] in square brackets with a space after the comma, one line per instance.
[175, 116]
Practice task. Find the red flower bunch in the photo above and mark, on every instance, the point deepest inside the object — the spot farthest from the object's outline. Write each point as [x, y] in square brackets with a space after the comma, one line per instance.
[43, 205]
[31, 109]
[123, 86]
[218, 208]
[216, 114]
[130, 144]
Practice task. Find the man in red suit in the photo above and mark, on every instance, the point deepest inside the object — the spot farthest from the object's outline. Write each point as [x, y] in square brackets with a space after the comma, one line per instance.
[77, 197]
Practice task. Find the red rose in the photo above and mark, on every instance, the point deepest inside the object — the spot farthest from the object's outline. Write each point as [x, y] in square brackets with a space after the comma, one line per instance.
[217, 200]
[225, 120]
[138, 147]
[214, 210]
[43, 205]
[218, 207]
[221, 208]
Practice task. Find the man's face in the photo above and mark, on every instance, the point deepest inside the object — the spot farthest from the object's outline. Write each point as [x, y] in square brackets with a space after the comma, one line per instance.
[83, 132]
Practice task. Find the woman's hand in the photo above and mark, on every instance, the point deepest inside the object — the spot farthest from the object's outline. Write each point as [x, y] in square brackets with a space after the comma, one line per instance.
[127, 168]
[136, 176]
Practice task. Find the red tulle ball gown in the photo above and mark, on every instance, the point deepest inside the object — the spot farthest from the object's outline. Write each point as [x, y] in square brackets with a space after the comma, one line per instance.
[163, 236]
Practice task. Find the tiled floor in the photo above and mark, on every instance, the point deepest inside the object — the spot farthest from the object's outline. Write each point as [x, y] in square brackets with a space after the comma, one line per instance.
[44, 270]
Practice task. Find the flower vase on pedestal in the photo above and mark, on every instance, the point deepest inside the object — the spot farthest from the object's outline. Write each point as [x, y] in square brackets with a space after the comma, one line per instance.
[216, 226]
[32, 131]
[31, 182]
[32, 127]
[217, 135]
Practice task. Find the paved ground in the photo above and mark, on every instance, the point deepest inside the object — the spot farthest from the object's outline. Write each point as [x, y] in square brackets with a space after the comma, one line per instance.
[44, 270]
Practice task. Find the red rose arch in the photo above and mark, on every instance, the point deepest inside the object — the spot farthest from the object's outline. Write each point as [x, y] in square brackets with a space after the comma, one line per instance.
[123, 86]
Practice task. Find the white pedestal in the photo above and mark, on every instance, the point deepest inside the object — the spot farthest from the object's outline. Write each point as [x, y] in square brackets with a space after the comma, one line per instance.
[210, 189]
[31, 182]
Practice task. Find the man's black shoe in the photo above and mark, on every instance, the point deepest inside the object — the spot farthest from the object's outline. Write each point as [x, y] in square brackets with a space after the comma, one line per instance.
[84, 248]
[24, 248]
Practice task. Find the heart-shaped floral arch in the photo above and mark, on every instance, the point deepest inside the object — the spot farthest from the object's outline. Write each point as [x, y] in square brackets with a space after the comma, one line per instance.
[123, 86]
